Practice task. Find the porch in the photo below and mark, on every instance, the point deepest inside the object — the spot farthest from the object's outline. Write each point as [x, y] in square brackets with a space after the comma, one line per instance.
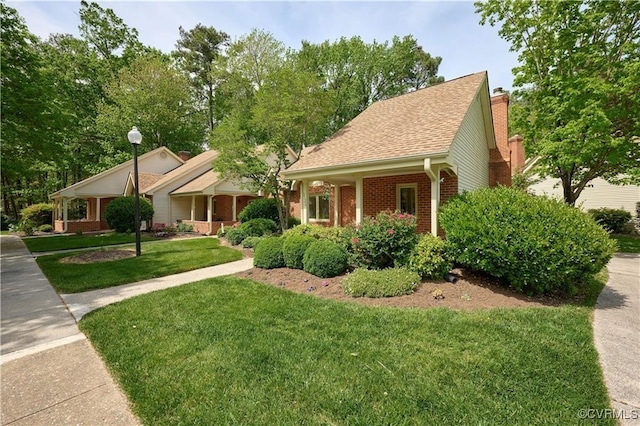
[208, 213]
[93, 220]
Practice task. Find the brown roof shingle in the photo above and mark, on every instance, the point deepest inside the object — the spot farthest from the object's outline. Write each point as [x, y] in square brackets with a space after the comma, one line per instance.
[191, 164]
[145, 180]
[198, 184]
[421, 122]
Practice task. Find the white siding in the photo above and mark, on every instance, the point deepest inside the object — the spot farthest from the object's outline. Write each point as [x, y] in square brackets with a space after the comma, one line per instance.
[599, 194]
[231, 187]
[469, 150]
[161, 209]
[181, 208]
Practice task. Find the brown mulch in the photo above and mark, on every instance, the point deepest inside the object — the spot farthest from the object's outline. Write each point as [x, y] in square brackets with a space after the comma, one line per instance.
[99, 256]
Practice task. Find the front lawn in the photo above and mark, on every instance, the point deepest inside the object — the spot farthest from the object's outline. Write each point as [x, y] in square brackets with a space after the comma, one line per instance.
[233, 351]
[157, 260]
[627, 243]
[66, 242]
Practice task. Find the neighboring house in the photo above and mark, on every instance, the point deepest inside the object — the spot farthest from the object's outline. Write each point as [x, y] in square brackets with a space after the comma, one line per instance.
[409, 153]
[181, 189]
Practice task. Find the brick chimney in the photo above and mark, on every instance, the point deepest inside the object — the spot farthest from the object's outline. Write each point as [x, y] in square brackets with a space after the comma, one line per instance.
[500, 157]
[184, 155]
[517, 154]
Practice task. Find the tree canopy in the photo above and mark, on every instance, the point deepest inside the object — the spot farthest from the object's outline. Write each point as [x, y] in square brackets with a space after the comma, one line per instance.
[578, 97]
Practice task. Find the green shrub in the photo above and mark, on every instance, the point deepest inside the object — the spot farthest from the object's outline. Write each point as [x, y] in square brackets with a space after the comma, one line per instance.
[38, 214]
[384, 283]
[120, 213]
[251, 242]
[221, 232]
[293, 222]
[258, 227]
[612, 220]
[26, 226]
[430, 258]
[235, 236]
[268, 254]
[384, 241]
[537, 244]
[45, 228]
[293, 250]
[184, 227]
[5, 222]
[262, 208]
[325, 259]
[316, 231]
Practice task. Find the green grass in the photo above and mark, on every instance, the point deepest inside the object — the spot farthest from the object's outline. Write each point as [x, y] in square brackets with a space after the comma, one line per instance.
[627, 243]
[157, 260]
[66, 242]
[233, 351]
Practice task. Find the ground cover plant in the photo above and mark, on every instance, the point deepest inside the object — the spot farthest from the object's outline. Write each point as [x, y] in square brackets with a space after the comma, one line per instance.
[158, 259]
[385, 283]
[233, 351]
[68, 242]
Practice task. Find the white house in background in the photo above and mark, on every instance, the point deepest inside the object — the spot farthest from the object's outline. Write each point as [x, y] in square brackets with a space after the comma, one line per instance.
[181, 189]
[599, 193]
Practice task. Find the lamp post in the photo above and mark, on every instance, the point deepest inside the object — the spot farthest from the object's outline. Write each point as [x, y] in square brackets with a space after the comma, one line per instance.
[135, 138]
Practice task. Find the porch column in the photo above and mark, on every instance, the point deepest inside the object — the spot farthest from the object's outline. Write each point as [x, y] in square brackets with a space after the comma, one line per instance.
[304, 202]
[209, 212]
[65, 207]
[98, 209]
[359, 201]
[193, 208]
[234, 208]
[336, 205]
[433, 171]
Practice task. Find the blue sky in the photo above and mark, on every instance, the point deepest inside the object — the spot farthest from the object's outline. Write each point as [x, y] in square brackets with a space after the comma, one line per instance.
[449, 29]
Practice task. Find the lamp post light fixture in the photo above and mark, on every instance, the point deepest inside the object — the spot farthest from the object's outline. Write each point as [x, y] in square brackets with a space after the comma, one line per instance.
[135, 138]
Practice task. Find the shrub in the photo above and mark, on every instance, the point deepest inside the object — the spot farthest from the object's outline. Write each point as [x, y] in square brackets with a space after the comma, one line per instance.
[251, 242]
[293, 222]
[45, 228]
[27, 226]
[258, 227]
[221, 232]
[537, 244]
[384, 241]
[385, 283]
[5, 222]
[293, 250]
[262, 208]
[184, 227]
[430, 258]
[268, 254]
[235, 236]
[38, 214]
[612, 220]
[316, 231]
[120, 213]
[325, 259]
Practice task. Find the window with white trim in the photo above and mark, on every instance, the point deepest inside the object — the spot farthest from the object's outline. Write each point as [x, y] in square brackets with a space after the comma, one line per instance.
[407, 198]
[319, 207]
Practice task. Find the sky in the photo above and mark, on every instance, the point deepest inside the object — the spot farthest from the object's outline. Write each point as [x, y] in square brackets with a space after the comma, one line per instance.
[449, 29]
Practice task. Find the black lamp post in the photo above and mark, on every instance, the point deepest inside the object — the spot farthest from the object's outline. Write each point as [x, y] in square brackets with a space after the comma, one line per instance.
[135, 138]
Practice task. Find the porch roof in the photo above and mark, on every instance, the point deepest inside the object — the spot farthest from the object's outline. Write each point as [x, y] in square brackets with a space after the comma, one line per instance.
[189, 167]
[199, 184]
[413, 126]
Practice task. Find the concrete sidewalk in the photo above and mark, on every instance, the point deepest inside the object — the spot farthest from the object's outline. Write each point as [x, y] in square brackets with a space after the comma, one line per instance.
[616, 330]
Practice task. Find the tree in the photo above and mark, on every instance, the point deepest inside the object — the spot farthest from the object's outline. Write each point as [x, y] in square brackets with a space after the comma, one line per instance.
[579, 91]
[197, 51]
[156, 98]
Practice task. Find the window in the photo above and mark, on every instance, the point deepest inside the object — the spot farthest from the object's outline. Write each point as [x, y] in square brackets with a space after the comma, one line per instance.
[319, 207]
[407, 198]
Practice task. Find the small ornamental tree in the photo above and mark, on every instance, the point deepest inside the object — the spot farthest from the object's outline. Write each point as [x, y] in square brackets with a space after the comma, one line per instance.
[120, 213]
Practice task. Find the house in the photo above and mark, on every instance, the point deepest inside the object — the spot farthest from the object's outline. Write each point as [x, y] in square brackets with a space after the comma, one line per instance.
[408, 153]
[180, 188]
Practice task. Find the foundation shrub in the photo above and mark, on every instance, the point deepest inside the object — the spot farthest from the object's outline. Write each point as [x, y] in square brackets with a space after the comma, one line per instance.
[38, 214]
[382, 242]
[324, 259]
[258, 227]
[45, 228]
[317, 231]
[293, 250]
[612, 220]
[262, 208]
[430, 258]
[385, 283]
[535, 244]
[120, 213]
[235, 236]
[268, 253]
[251, 242]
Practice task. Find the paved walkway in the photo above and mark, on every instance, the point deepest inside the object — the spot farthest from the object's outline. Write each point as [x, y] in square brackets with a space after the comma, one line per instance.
[616, 330]
[50, 372]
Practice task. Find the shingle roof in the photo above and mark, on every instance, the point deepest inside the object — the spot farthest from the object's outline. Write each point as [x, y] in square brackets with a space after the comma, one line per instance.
[421, 122]
[145, 180]
[190, 165]
[199, 184]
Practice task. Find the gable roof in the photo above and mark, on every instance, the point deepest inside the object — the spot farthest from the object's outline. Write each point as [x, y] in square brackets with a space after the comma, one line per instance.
[423, 122]
[188, 167]
[199, 184]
